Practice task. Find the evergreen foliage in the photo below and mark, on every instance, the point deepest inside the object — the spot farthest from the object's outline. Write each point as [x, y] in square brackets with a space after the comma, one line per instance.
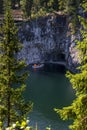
[12, 78]
[14, 3]
[78, 109]
[32, 8]
[1, 6]
[12, 104]
[24, 125]
[27, 7]
[71, 8]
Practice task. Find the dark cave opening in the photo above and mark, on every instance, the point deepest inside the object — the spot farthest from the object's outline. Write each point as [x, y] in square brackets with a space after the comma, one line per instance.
[55, 57]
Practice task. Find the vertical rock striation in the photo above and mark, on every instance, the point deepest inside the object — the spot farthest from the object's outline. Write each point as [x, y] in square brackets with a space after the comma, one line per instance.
[46, 39]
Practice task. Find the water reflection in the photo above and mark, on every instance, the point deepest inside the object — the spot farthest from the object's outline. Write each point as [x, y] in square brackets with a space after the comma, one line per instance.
[48, 88]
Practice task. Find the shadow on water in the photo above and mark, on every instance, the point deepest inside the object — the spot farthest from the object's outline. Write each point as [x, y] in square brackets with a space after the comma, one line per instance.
[48, 88]
[50, 68]
[54, 68]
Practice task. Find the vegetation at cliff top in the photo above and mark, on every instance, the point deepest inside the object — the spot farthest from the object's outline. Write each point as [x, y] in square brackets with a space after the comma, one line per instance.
[36, 8]
[13, 108]
[77, 111]
[12, 104]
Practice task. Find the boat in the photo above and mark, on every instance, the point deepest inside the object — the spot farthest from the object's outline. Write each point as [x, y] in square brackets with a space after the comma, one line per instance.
[36, 66]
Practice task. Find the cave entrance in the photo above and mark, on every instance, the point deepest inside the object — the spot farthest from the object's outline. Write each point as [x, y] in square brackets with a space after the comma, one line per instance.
[54, 56]
[58, 57]
[61, 57]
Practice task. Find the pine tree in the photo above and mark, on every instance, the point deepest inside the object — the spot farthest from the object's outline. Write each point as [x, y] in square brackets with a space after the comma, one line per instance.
[27, 7]
[78, 109]
[1, 6]
[55, 5]
[12, 79]
[70, 8]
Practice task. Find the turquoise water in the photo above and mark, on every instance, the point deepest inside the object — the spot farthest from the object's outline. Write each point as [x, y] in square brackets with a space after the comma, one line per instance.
[48, 88]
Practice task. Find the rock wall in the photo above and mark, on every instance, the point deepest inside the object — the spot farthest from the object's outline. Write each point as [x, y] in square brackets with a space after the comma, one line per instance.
[47, 39]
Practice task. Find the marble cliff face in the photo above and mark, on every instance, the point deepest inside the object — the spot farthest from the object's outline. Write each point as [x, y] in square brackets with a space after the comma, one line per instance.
[47, 39]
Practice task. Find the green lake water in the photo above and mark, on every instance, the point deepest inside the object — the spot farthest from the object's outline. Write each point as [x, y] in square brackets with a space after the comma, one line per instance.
[48, 88]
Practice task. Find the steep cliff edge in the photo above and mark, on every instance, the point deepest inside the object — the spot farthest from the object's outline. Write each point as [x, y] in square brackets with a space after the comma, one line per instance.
[48, 39]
